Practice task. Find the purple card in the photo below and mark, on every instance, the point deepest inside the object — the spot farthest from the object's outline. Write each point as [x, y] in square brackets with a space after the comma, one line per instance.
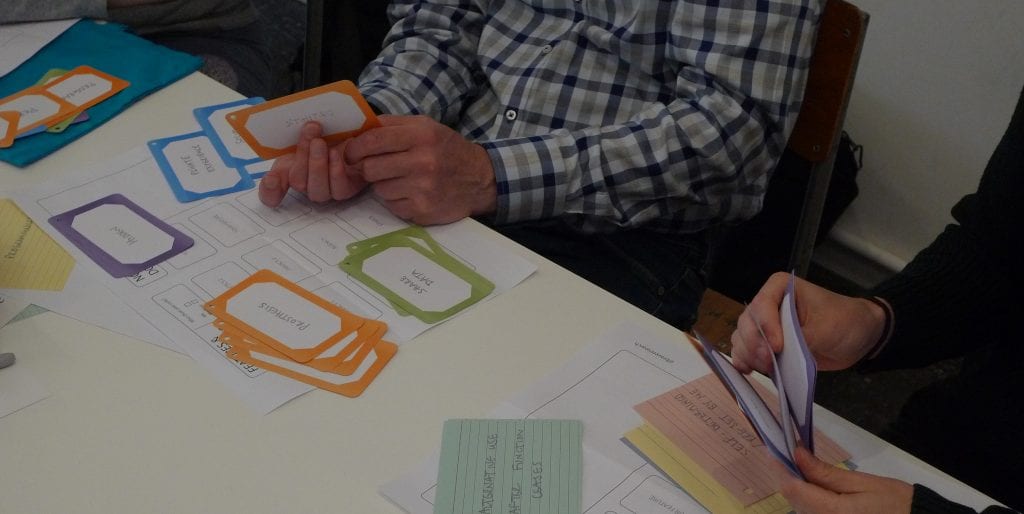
[119, 236]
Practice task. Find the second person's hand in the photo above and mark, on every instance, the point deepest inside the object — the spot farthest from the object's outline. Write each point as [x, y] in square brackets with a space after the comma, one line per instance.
[839, 330]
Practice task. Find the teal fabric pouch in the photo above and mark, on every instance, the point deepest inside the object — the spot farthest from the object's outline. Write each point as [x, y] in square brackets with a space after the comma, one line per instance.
[110, 48]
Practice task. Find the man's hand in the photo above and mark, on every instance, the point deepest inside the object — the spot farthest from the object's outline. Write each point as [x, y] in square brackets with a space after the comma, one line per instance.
[422, 170]
[839, 330]
[313, 169]
[832, 490]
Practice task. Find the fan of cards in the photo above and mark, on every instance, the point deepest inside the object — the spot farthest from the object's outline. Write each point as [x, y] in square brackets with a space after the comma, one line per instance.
[274, 324]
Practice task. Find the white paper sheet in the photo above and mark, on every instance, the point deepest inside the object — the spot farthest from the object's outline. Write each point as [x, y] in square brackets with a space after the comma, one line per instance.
[20, 41]
[19, 388]
[599, 385]
[102, 309]
[234, 236]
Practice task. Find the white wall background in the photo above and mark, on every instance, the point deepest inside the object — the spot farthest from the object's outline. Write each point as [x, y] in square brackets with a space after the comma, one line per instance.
[937, 82]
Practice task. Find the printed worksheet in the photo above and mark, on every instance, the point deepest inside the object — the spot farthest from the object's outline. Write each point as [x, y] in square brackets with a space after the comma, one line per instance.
[214, 243]
[599, 386]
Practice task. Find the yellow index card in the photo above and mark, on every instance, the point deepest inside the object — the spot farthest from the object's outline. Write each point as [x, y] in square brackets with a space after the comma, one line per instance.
[29, 258]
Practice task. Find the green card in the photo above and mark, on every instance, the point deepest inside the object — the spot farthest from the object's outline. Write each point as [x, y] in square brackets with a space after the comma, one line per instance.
[505, 466]
[414, 272]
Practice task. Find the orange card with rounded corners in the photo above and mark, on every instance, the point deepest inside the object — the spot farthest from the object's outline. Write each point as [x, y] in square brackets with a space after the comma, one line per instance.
[272, 128]
[8, 127]
[343, 358]
[350, 386]
[36, 107]
[283, 315]
[85, 87]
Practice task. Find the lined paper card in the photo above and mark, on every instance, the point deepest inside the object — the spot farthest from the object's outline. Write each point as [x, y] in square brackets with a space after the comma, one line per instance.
[525, 466]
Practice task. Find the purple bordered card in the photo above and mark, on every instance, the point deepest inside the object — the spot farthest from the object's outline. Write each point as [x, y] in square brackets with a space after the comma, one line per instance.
[119, 236]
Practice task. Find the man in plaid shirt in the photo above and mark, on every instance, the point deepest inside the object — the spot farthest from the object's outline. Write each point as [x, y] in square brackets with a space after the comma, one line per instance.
[606, 135]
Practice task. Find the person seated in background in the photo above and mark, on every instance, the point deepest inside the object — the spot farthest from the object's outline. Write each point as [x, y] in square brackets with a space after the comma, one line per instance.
[607, 136]
[227, 34]
[959, 296]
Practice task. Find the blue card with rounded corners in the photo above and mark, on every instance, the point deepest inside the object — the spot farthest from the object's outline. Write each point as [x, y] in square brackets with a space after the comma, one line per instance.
[229, 145]
[194, 169]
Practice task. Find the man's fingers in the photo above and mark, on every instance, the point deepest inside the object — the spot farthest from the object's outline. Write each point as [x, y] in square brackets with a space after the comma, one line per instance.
[274, 185]
[379, 141]
[343, 184]
[310, 131]
[386, 167]
[299, 171]
[318, 187]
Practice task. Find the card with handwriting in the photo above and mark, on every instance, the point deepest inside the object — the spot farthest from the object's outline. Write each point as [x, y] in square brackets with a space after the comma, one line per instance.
[412, 271]
[231, 147]
[284, 316]
[342, 357]
[60, 126]
[701, 432]
[793, 374]
[351, 385]
[530, 466]
[85, 87]
[8, 127]
[272, 128]
[119, 236]
[194, 169]
[37, 108]
[31, 258]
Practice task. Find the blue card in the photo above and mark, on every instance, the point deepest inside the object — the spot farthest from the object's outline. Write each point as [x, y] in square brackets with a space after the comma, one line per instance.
[194, 169]
[231, 147]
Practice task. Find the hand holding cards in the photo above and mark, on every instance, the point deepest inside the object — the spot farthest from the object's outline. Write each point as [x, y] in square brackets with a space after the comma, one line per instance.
[272, 129]
[793, 374]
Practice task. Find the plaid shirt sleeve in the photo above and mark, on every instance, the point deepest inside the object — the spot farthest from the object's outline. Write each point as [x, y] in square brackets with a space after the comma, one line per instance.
[687, 142]
[429, 65]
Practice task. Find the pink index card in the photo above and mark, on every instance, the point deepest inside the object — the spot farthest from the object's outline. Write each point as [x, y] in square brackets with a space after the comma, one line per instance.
[702, 419]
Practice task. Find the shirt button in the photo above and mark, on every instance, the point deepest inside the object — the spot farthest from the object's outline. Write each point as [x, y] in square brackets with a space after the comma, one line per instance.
[511, 115]
[547, 49]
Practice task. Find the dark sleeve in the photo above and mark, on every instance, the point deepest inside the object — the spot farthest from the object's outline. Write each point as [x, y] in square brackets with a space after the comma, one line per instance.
[926, 501]
[18, 11]
[963, 291]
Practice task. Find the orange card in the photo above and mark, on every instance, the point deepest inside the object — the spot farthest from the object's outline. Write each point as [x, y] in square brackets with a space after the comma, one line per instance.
[283, 315]
[84, 87]
[350, 386]
[272, 128]
[346, 356]
[8, 127]
[36, 107]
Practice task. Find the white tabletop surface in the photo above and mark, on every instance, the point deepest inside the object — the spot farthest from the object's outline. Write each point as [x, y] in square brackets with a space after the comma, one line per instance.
[130, 427]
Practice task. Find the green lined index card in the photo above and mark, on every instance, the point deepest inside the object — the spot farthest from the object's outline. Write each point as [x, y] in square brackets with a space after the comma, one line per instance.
[510, 466]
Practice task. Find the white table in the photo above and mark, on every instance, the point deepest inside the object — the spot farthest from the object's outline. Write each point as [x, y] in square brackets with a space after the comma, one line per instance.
[131, 427]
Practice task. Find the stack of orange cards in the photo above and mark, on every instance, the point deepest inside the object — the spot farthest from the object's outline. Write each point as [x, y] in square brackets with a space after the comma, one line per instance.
[58, 98]
[270, 322]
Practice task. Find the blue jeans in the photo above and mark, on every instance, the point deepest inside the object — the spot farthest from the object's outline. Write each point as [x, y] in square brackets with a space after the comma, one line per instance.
[663, 274]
